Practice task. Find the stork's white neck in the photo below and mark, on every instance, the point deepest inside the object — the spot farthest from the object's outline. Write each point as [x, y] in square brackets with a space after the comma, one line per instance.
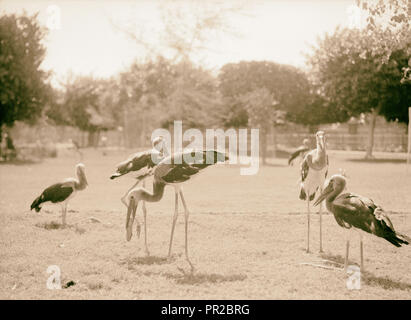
[82, 182]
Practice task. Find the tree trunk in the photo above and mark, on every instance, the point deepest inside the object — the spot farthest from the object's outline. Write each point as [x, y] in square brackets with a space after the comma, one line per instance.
[125, 127]
[143, 132]
[274, 140]
[1, 140]
[373, 120]
[92, 138]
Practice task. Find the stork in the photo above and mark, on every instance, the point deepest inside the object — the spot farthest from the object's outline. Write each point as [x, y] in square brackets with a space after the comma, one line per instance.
[172, 170]
[139, 161]
[300, 152]
[360, 213]
[62, 192]
[314, 168]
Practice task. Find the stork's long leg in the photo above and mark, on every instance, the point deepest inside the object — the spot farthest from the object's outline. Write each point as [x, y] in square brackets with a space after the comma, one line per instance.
[131, 214]
[347, 248]
[308, 222]
[321, 230]
[186, 214]
[361, 254]
[145, 223]
[175, 216]
[64, 213]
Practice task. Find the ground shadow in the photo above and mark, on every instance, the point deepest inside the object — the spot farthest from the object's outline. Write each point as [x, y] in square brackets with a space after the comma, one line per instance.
[198, 278]
[299, 213]
[273, 165]
[384, 282]
[147, 260]
[53, 225]
[377, 160]
[339, 259]
[370, 279]
[20, 162]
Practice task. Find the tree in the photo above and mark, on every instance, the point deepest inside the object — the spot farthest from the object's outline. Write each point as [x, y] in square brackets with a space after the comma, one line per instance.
[266, 91]
[355, 80]
[184, 29]
[194, 97]
[144, 90]
[156, 93]
[387, 27]
[88, 104]
[23, 88]
[316, 110]
[262, 113]
[357, 69]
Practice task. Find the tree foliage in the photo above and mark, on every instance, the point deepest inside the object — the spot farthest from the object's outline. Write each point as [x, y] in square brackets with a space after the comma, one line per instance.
[23, 88]
[167, 91]
[362, 70]
[288, 87]
[357, 82]
[387, 27]
[86, 103]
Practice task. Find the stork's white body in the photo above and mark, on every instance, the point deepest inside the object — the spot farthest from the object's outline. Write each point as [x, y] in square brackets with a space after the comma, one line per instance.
[315, 181]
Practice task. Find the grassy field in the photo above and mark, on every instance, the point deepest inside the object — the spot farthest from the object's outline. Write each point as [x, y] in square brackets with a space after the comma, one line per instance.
[247, 236]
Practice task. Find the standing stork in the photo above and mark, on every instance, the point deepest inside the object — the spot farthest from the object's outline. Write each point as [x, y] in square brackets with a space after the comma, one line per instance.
[300, 152]
[171, 172]
[351, 210]
[314, 170]
[143, 163]
[62, 192]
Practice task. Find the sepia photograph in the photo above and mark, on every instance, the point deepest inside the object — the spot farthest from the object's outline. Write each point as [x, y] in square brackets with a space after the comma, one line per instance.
[185, 150]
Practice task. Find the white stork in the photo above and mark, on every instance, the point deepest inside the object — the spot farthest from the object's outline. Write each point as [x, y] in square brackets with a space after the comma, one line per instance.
[300, 152]
[62, 192]
[360, 213]
[314, 170]
[171, 172]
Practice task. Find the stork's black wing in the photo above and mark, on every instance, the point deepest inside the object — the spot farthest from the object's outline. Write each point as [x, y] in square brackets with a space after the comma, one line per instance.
[300, 151]
[180, 173]
[136, 162]
[57, 192]
[362, 213]
[305, 167]
[181, 166]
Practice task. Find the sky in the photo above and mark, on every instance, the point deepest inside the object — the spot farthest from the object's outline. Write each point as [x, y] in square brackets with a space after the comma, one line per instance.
[87, 39]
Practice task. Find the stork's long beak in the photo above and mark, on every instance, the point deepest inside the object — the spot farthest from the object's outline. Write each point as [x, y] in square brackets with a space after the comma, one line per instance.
[131, 211]
[328, 189]
[115, 175]
[82, 175]
[321, 139]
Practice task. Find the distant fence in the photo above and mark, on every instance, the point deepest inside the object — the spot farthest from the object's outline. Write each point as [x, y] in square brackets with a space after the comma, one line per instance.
[336, 140]
[389, 142]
